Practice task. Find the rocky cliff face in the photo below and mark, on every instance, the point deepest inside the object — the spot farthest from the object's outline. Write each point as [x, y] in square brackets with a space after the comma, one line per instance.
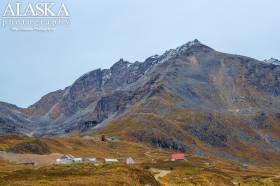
[13, 120]
[189, 98]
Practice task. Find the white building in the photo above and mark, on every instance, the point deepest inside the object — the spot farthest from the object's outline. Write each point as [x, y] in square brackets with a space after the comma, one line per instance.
[77, 160]
[91, 160]
[111, 160]
[130, 161]
[65, 159]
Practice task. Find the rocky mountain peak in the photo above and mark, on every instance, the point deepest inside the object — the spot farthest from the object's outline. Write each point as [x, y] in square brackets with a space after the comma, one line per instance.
[187, 48]
[193, 46]
[195, 42]
[120, 64]
[272, 61]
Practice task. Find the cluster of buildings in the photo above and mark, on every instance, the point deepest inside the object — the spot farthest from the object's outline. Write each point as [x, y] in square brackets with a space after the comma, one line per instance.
[69, 159]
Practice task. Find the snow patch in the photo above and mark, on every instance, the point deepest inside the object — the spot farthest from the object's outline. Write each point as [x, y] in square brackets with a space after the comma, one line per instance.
[106, 75]
[272, 61]
[187, 46]
[168, 55]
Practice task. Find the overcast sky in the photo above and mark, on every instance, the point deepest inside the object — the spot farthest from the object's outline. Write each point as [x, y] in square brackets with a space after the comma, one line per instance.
[102, 32]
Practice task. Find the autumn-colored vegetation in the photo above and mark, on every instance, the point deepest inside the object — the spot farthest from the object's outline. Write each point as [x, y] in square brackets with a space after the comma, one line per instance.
[79, 174]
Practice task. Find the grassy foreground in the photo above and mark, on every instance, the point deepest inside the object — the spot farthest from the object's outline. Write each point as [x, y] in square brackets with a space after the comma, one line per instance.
[190, 173]
[79, 174]
[152, 168]
[197, 172]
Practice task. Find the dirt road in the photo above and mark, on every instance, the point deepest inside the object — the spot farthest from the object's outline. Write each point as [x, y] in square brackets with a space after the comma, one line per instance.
[39, 160]
[159, 173]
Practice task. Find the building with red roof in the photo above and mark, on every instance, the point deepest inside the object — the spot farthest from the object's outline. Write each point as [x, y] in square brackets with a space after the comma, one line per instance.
[178, 156]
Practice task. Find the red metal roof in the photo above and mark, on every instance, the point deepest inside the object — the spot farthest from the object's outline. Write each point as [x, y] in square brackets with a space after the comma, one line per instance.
[177, 156]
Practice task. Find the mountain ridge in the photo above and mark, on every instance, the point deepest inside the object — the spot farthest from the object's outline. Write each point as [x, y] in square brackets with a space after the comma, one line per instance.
[192, 98]
[48, 102]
